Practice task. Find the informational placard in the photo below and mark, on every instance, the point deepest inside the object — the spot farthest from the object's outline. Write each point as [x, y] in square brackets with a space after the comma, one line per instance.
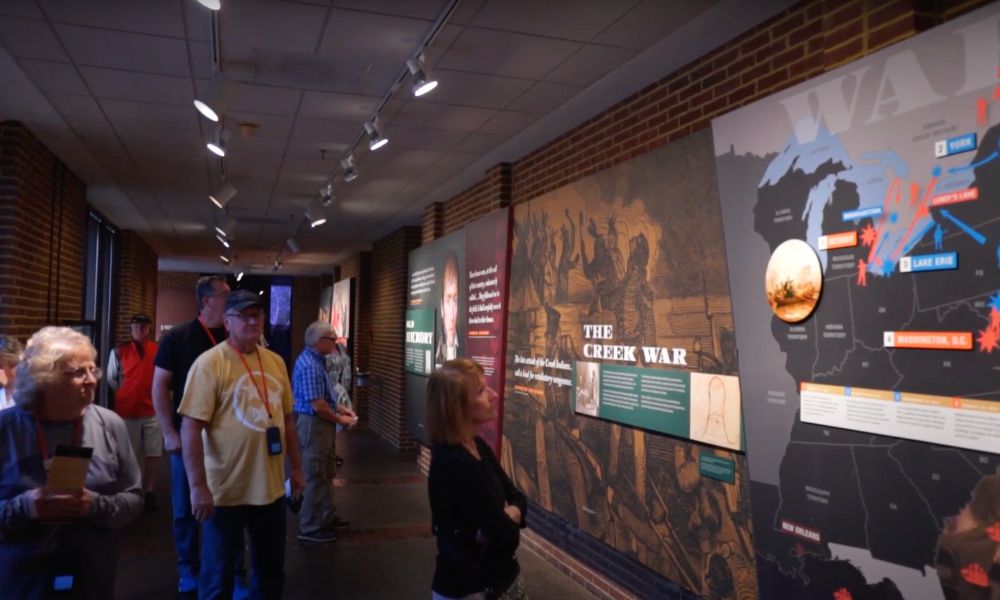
[418, 345]
[696, 406]
[959, 422]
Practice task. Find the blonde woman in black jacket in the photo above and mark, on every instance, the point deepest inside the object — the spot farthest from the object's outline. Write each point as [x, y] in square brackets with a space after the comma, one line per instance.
[476, 511]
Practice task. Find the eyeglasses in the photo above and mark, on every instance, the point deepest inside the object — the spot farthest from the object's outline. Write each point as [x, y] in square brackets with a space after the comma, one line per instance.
[259, 316]
[332, 339]
[81, 372]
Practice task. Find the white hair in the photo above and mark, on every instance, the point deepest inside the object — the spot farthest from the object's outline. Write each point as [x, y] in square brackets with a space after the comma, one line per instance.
[44, 356]
[317, 331]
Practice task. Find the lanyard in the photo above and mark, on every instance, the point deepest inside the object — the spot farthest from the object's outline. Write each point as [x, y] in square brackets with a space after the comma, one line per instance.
[44, 446]
[263, 379]
[208, 331]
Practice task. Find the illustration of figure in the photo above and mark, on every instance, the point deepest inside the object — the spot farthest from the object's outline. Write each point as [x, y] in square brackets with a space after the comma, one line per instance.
[862, 273]
[966, 551]
[567, 261]
[635, 309]
[715, 429]
[600, 270]
[449, 344]
[938, 236]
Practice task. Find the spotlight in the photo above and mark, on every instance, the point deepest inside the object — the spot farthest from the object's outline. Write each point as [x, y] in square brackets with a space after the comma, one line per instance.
[212, 4]
[350, 171]
[226, 256]
[226, 225]
[218, 145]
[326, 195]
[293, 245]
[316, 215]
[223, 195]
[222, 240]
[260, 293]
[217, 99]
[421, 83]
[239, 276]
[375, 138]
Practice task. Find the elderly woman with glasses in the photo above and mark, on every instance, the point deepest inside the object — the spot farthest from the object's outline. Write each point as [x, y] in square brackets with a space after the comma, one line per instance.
[10, 353]
[56, 540]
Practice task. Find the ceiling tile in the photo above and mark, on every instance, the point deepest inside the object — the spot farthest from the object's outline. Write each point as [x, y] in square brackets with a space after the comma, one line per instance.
[197, 21]
[76, 109]
[544, 97]
[432, 139]
[162, 118]
[265, 100]
[472, 89]
[311, 149]
[457, 159]
[589, 64]
[129, 51]
[267, 125]
[409, 157]
[26, 38]
[502, 53]
[270, 145]
[442, 116]
[567, 19]
[419, 9]
[342, 107]
[54, 78]
[481, 143]
[143, 87]
[650, 21]
[156, 18]
[21, 8]
[201, 59]
[509, 123]
[325, 130]
[278, 26]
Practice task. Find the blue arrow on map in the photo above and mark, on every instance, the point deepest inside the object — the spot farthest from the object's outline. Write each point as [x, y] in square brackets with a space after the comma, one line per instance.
[972, 232]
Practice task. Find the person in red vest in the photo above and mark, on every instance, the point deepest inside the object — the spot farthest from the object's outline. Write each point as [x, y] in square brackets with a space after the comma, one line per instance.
[130, 374]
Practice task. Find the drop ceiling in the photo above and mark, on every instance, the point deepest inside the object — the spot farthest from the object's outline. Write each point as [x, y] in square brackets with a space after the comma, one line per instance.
[108, 85]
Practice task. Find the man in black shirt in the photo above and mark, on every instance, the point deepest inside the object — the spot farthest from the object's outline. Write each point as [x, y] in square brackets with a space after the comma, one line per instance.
[179, 348]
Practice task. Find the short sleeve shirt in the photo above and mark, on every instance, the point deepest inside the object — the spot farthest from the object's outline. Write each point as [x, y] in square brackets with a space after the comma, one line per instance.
[220, 392]
[310, 381]
[178, 350]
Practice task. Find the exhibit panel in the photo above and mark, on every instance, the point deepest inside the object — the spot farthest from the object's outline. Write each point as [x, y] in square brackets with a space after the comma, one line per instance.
[455, 308]
[863, 236]
[620, 353]
[341, 308]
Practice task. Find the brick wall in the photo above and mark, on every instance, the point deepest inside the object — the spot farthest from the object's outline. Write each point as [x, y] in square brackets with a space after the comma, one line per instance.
[137, 282]
[802, 42]
[389, 267]
[43, 213]
[359, 267]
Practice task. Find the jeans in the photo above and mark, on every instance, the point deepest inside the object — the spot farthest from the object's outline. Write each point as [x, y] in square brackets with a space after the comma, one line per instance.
[186, 527]
[222, 545]
[319, 461]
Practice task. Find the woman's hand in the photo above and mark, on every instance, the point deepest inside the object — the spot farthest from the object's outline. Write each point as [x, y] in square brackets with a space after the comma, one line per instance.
[513, 512]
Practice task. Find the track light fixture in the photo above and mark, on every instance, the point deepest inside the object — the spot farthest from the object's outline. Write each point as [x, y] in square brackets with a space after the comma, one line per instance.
[375, 138]
[239, 276]
[316, 215]
[350, 171]
[218, 145]
[226, 226]
[226, 256]
[223, 195]
[212, 4]
[218, 97]
[293, 245]
[421, 83]
[326, 194]
[222, 240]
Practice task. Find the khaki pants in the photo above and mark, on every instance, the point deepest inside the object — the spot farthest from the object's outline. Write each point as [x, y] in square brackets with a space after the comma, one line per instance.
[319, 462]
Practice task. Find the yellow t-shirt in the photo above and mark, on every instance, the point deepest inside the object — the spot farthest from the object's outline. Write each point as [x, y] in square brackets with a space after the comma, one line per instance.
[220, 392]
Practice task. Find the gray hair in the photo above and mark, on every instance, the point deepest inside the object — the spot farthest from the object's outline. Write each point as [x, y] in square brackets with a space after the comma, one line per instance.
[317, 331]
[204, 288]
[44, 357]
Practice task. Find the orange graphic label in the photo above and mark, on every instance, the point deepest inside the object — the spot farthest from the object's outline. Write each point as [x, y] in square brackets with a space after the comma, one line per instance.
[965, 195]
[929, 340]
[975, 575]
[842, 594]
[844, 239]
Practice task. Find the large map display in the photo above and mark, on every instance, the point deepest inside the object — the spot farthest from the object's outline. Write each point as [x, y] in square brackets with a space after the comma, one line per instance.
[889, 169]
[620, 328]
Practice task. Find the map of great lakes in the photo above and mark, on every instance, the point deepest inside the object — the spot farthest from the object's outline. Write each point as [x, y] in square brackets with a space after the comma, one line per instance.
[839, 513]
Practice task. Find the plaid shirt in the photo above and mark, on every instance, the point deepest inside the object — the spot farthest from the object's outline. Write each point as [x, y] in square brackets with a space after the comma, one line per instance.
[310, 381]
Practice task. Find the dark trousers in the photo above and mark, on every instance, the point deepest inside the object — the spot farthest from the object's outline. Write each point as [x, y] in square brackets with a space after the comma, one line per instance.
[222, 545]
[186, 527]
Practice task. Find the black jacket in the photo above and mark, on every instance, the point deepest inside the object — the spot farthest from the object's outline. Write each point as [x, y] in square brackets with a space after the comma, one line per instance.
[476, 539]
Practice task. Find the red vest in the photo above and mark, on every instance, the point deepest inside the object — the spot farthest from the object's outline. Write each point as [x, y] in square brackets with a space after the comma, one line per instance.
[135, 396]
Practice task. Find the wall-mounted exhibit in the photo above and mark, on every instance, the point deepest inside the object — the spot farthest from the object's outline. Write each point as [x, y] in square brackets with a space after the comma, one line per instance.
[340, 308]
[457, 286]
[620, 330]
[872, 423]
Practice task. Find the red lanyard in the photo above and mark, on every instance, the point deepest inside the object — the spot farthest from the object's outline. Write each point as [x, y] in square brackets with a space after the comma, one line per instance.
[208, 331]
[44, 446]
[263, 379]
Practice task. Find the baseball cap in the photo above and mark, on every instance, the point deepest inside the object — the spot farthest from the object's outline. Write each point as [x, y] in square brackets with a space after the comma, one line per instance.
[140, 318]
[237, 300]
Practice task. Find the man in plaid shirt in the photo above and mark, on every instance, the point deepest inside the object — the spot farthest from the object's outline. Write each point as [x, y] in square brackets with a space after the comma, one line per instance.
[319, 413]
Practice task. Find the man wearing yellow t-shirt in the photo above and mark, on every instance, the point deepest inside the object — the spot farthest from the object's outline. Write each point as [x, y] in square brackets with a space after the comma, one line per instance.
[238, 428]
